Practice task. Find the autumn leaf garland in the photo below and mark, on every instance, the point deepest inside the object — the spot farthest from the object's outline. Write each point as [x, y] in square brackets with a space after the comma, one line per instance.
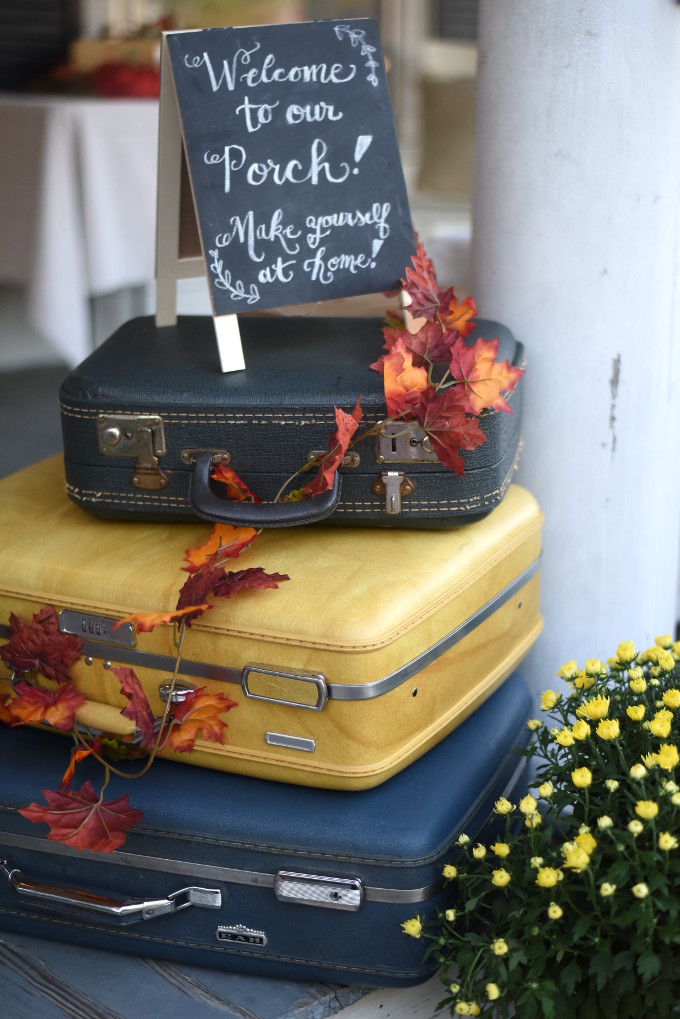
[432, 377]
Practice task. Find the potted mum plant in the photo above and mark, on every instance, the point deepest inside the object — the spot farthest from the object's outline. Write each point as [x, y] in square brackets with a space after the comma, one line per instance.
[572, 907]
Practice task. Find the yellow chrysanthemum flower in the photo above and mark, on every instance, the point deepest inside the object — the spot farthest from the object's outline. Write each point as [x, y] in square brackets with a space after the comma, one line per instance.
[479, 851]
[546, 877]
[607, 889]
[555, 911]
[625, 652]
[568, 670]
[546, 790]
[646, 809]
[493, 992]
[636, 712]
[604, 822]
[450, 915]
[637, 772]
[660, 725]
[454, 987]
[580, 730]
[666, 661]
[533, 724]
[637, 683]
[671, 698]
[413, 927]
[450, 871]
[612, 784]
[670, 786]
[608, 728]
[667, 756]
[675, 799]
[635, 827]
[499, 947]
[462, 1008]
[594, 709]
[640, 891]
[594, 667]
[664, 641]
[667, 841]
[536, 861]
[583, 681]
[586, 841]
[574, 857]
[500, 848]
[527, 804]
[548, 700]
[533, 820]
[500, 878]
[474, 1008]
[463, 839]
[503, 806]
[582, 777]
[564, 738]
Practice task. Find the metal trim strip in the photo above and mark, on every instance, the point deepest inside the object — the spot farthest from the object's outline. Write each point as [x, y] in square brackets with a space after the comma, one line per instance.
[335, 691]
[204, 871]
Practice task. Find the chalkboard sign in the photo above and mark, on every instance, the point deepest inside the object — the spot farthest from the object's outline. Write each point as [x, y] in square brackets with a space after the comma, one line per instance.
[293, 159]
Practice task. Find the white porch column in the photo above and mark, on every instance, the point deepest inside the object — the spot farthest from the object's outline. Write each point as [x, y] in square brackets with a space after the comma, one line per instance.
[576, 218]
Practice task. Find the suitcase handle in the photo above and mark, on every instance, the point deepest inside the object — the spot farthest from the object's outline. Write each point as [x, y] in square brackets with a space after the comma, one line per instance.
[121, 911]
[209, 506]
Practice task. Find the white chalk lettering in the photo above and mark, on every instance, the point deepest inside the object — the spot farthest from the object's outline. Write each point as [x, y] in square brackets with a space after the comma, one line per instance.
[256, 114]
[276, 273]
[311, 113]
[229, 164]
[245, 230]
[242, 56]
[324, 270]
[321, 226]
[320, 74]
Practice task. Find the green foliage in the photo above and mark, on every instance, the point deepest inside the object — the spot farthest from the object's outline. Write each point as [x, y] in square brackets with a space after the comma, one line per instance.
[587, 923]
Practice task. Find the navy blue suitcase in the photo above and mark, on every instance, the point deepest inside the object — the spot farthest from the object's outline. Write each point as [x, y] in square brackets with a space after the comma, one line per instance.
[254, 876]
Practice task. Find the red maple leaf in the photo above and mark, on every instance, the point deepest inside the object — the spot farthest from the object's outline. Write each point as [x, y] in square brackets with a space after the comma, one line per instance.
[40, 647]
[197, 587]
[225, 540]
[78, 754]
[34, 704]
[145, 622]
[449, 428]
[236, 488]
[422, 287]
[337, 447]
[82, 820]
[484, 379]
[404, 383]
[138, 709]
[254, 578]
[198, 715]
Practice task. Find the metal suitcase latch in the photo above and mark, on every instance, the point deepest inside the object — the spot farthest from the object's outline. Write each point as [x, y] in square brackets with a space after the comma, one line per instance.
[318, 890]
[403, 442]
[140, 436]
[393, 486]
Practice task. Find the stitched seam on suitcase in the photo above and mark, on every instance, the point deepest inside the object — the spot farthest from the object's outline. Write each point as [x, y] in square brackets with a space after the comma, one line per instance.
[212, 948]
[226, 418]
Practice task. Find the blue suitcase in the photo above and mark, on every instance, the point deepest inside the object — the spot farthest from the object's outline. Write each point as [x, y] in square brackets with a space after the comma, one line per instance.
[254, 876]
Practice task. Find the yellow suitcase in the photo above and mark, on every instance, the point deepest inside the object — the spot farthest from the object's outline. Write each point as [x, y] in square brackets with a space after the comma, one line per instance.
[378, 646]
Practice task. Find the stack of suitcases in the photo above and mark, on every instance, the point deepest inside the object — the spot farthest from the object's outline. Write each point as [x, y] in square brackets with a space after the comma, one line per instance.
[369, 704]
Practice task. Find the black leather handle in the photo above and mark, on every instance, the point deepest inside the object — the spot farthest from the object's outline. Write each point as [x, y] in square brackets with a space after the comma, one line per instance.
[209, 506]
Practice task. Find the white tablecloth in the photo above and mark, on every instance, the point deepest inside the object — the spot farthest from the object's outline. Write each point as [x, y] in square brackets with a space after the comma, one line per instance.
[77, 207]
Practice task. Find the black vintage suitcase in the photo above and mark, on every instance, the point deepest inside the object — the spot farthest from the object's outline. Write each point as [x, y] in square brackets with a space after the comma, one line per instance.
[253, 876]
[148, 412]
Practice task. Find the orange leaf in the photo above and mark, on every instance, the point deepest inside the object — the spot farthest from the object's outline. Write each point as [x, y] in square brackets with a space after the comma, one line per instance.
[404, 383]
[5, 717]
[198, 715]
[77, 754]
[82, 820]
[224, 540]
[35, 704]
[460, 315]
[236, 488]
[421, 284]
[483, 378]
[337, 447]
[145, 622]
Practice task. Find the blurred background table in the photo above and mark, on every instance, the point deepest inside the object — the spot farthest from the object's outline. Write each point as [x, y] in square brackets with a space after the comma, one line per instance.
[77, 207]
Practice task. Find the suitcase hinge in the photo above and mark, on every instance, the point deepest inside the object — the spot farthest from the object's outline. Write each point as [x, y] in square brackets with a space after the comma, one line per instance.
[140, 436]
[319, 890]
[393, 486]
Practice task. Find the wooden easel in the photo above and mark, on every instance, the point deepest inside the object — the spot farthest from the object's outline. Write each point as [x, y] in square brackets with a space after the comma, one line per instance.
[179, 248]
